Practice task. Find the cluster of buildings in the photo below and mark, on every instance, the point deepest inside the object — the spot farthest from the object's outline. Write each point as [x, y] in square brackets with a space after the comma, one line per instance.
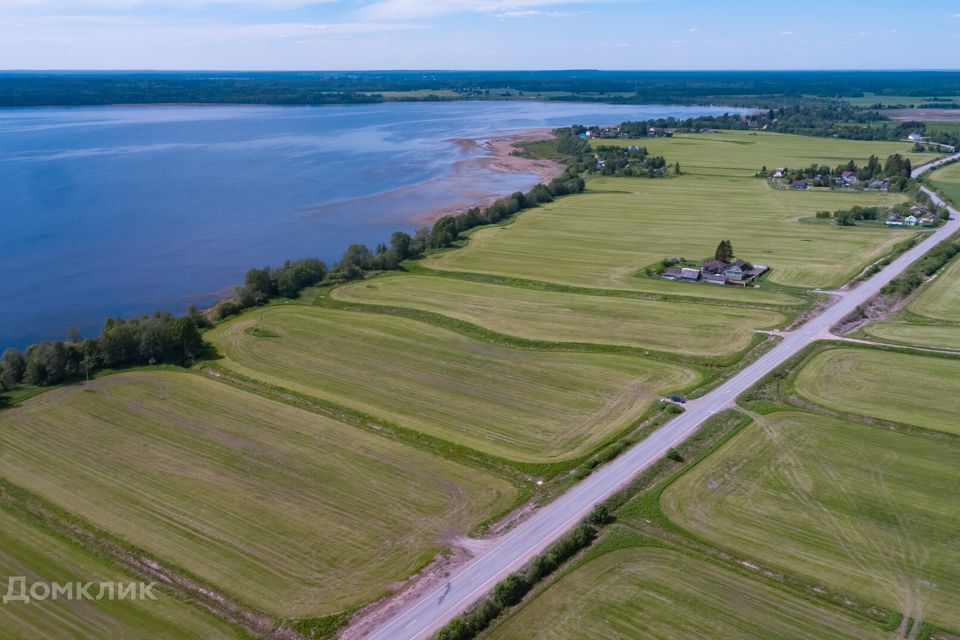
[847, 179]
[918, 215]
[659, 132]
[737, 273]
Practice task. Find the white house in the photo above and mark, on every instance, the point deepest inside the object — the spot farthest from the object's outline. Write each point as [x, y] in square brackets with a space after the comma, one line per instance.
[910, 221]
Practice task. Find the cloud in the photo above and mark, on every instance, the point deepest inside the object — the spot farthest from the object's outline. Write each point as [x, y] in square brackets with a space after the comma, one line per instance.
[694, 29]
[418, 9]
[126, 5]
[532, 13]
[786, 34]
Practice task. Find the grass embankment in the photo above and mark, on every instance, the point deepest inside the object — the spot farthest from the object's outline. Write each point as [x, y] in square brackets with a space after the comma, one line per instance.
[289, 511]
[932, 319]
[689, 329]
[520, 404]
[27, 550]
[852, 507]
[947, 181]
[912, 389]
[646, 592]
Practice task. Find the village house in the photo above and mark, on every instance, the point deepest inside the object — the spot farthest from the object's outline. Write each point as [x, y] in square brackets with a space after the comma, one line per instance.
[894, 221]
[910, 221]
[848, 177]
[916, 137]
[779, 173]
[738, 272]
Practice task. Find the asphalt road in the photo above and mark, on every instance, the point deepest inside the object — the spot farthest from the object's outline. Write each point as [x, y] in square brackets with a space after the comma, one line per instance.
[426, 615]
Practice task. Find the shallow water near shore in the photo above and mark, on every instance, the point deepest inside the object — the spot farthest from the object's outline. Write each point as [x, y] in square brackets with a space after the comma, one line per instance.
[108, 211]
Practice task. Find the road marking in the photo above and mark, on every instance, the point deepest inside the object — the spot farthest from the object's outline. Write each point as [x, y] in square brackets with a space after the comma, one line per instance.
[612, 477]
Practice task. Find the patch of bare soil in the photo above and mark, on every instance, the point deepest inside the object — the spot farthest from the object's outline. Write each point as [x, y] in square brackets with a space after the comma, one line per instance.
[925, 115]
[876, 309]
[818, 307]
[437, 573]
[370, 618]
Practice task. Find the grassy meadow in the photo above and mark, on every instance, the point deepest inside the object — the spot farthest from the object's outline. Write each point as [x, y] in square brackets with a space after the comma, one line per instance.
[620, 226]
[912, 389]
[522, 404]
[743, 153]
[691, 329]
[870, 99]
[947, 180]
[932, 319]
[866, 511]
[652, 593]
[28, 550]
[287, 510]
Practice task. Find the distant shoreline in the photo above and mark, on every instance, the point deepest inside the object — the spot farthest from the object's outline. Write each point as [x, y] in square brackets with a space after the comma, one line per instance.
[503, 156]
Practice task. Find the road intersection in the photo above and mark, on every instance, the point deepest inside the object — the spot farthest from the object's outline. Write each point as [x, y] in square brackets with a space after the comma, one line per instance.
[426, 615]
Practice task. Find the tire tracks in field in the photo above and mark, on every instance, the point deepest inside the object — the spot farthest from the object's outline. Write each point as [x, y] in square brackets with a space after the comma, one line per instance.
[903, 588]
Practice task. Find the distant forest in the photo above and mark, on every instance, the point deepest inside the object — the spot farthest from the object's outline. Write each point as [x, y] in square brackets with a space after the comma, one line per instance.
[752, 88]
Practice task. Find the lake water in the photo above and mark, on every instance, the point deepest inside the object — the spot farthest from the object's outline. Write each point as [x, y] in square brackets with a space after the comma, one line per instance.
[111, 211]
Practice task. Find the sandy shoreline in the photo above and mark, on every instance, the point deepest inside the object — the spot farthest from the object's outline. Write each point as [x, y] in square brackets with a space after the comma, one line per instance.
[502, 155]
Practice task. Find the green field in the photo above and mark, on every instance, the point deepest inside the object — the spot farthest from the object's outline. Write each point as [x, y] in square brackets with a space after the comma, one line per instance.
[943, 127]
[930, 320]
[935, 336]
[863, 510]
[743, 153]
[29, 551]
[693, 329]
[525, 405]
[287, 510]
[913, 389]
[947, 180]
[870, 99]
[654, 593]
[620, 226]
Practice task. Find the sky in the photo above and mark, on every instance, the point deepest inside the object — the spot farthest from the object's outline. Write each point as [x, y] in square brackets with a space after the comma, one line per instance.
[478, 34]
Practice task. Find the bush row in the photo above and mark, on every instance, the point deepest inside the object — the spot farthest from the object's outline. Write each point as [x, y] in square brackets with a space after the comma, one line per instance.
[923, 268]
[515, 586]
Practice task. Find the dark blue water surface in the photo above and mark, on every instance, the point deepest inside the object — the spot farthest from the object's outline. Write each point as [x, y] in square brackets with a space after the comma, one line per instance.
[112, 211]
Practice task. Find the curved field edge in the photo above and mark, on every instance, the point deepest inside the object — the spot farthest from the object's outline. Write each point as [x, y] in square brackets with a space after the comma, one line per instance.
[685, 328]
[946, 180]
[619, 226]
[848, 507]
[231, 495]
[646, 591]
[907, 388]
[530, 406]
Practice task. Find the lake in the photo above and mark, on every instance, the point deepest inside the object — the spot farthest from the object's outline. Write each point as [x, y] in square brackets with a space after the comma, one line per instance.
[118, 211]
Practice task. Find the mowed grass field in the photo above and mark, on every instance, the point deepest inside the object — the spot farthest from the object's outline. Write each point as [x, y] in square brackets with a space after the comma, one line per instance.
[932, 318]
[27, 550]
[291, 512]
[947, 180]
[913, 389]
[869, 512]
[524, 405]
[602, 238]
[658, 594]
[744, 153]
[693, 329]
